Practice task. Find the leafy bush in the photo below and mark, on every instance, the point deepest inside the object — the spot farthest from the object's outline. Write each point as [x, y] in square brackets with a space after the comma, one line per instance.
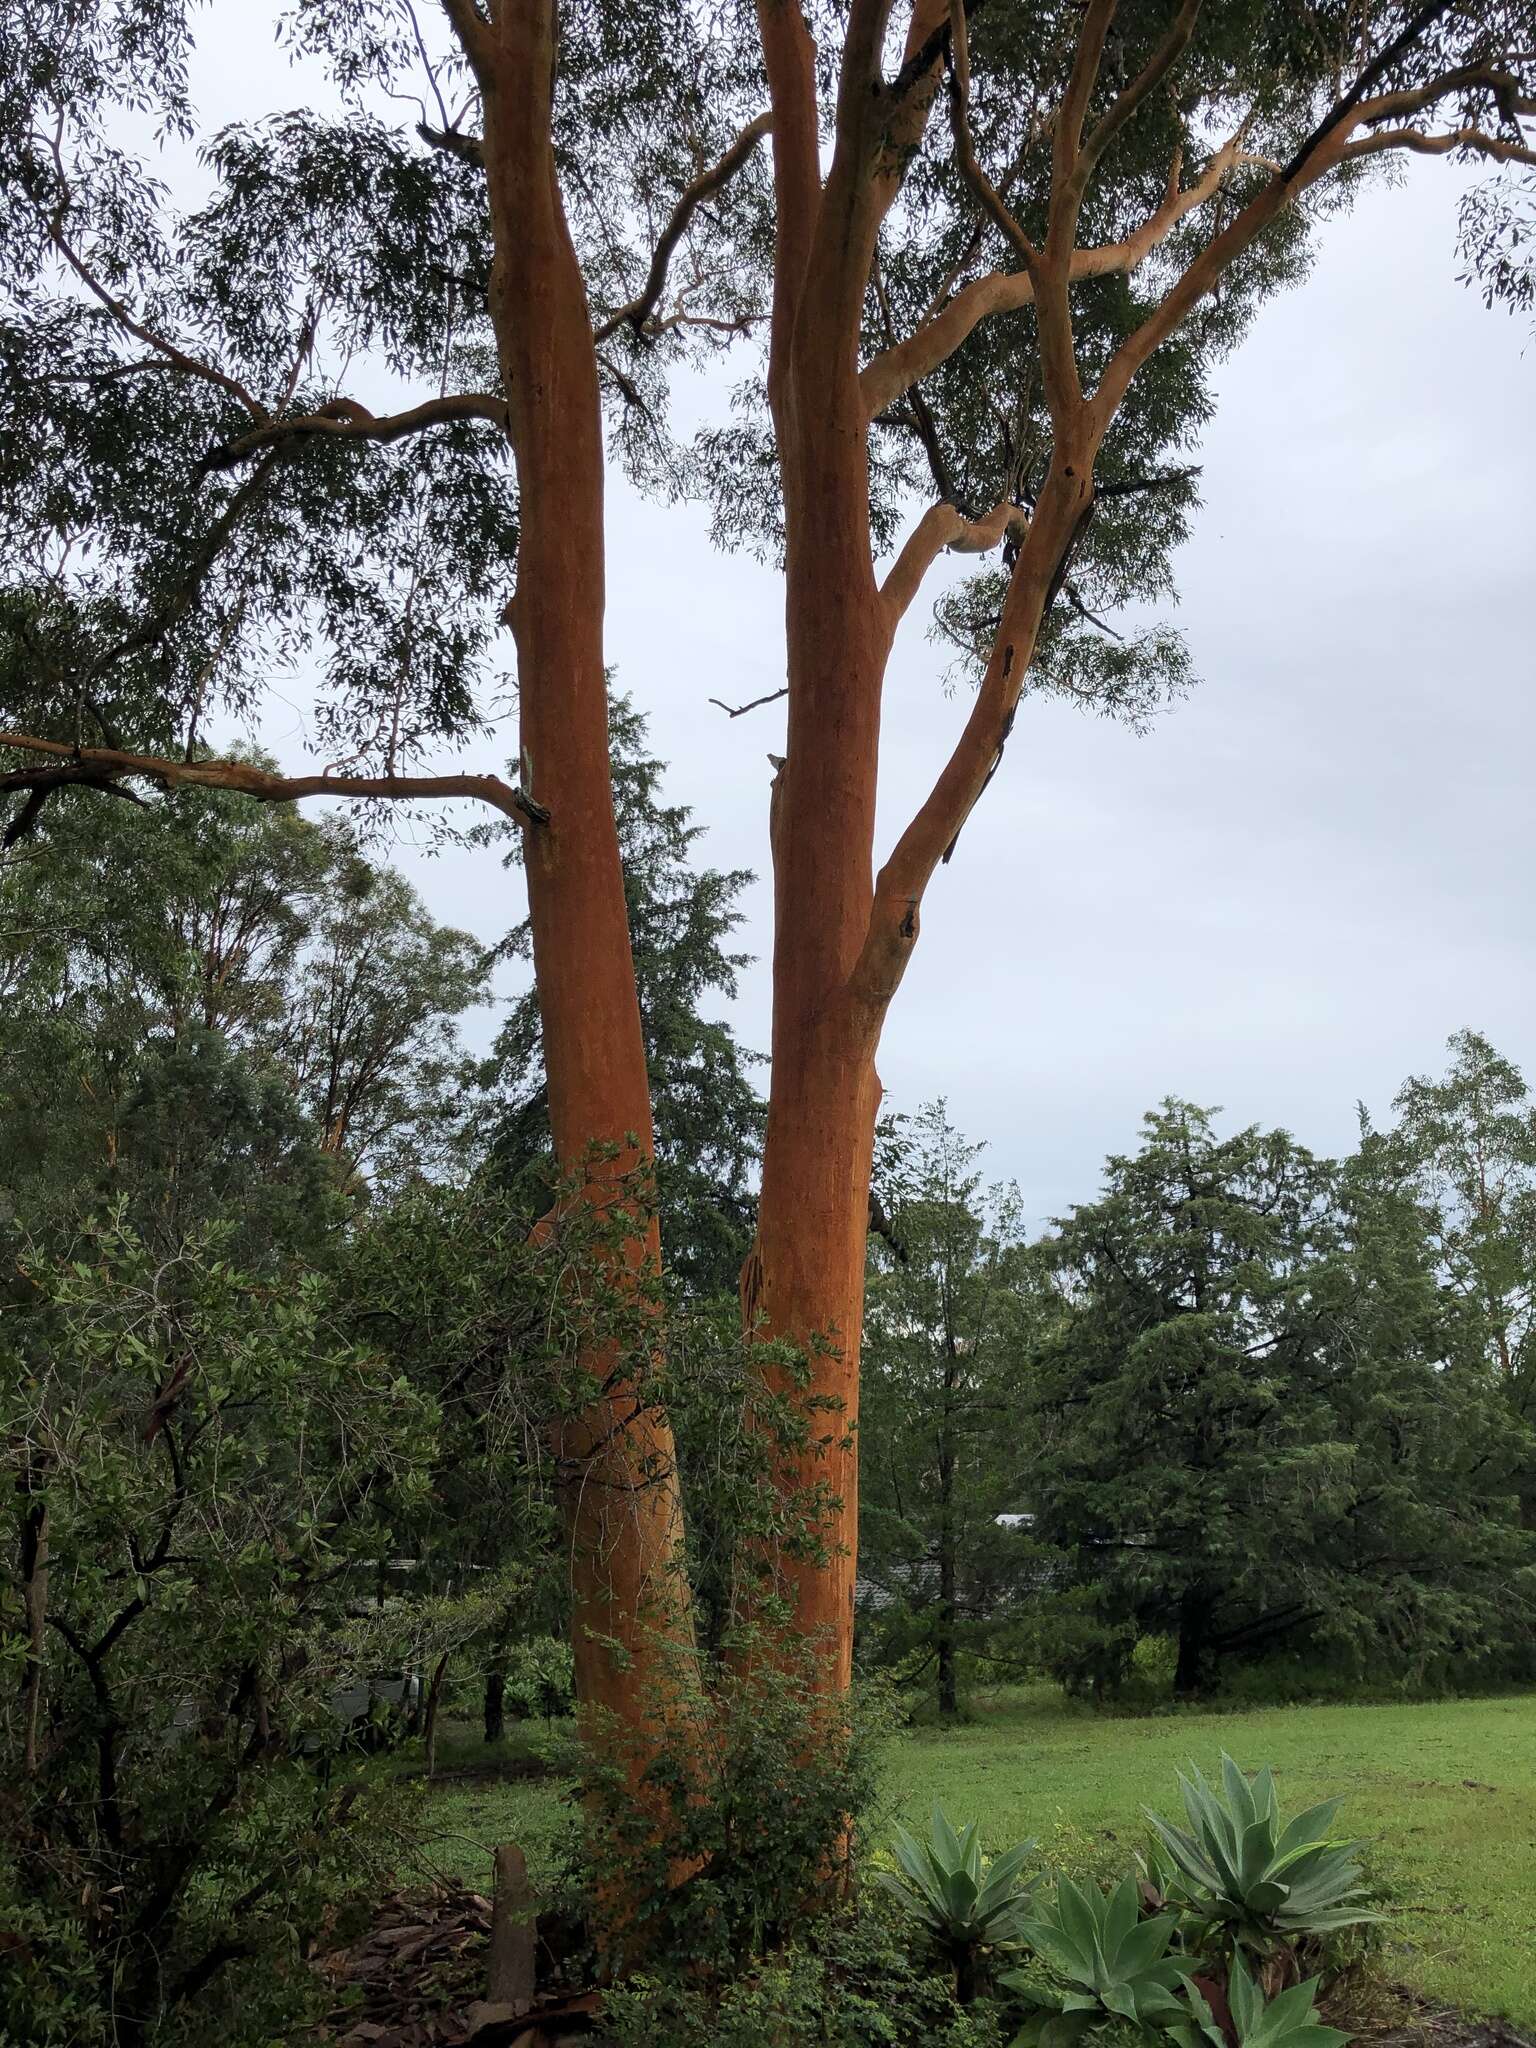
[750, 1795]
[1115, 1965]
[201, 1477]
[540, 1681]
[966, 1909]
[851, 1980]
[1259, 1885]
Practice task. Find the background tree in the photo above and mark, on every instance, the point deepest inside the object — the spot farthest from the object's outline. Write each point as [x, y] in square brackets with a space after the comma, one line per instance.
[1116, 190]
[708, 1116]
[445, 1281]
[228, 1019]
[1467, 1147]
[1253, 1437]
[951, 1321]
[371, 1030]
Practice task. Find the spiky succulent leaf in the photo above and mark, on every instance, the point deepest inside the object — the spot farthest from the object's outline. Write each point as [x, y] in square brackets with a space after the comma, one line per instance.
[944, 1883]
[1236, 1865]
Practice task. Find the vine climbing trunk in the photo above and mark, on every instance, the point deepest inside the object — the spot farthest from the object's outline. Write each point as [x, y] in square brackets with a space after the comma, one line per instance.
[631, 1614]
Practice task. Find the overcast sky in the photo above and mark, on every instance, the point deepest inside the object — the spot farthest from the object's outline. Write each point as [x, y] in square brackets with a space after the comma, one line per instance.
[1283, 898]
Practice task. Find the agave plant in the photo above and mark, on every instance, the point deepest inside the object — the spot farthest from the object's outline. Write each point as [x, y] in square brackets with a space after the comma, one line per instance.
[965, 1908]
[1289, 2021]
[1115, 1964]
[1265, 1886]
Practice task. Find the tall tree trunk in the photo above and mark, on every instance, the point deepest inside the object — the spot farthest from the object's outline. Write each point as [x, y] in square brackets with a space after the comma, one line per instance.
[494, 1712]
[949, 1693]
[631, 1617]
[805, 1278]
[824, 1093]
[34, 1592]
[1192, 1669]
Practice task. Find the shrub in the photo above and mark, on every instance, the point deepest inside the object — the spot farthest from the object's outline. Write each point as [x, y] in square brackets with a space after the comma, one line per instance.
[851, 1981]
[200, 1476]
[751, 1796]
[1289, 2021]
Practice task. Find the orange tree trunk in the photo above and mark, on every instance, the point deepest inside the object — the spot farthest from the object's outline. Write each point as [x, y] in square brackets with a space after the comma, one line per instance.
[804, 1282]
[806, 1275]
[631, 1621]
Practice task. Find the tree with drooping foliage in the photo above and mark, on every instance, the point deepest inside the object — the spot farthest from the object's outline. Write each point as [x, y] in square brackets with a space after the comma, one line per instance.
[988, 258]
[239, 1015]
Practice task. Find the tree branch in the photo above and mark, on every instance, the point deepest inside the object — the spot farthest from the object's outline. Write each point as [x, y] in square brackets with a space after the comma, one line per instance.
[965, 148]
[469, 149]
[179, 601]
[1067, 130]
[704, 186]
[343, 419]
[1161, 62]
[1502, 150]
[943, 526]
[740, 710]
[894, 370]
[41, 783]
[472, 30]
[1061, 510]
[267, 787]
[789, 57]
[1328, 147]
[1343, 107]
[175, 358]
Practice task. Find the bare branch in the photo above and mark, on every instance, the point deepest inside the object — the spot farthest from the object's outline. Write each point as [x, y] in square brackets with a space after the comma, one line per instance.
[344, 419]
[426, 62]
[740, 710]
[965, 148]
[691, 198]
[1500, 148]
[265, 786]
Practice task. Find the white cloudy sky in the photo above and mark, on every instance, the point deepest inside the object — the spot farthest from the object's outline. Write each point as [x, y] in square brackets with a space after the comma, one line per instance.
[1283, 898]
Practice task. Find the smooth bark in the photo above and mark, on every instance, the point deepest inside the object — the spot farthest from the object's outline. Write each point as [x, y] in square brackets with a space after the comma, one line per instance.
[616, 1458]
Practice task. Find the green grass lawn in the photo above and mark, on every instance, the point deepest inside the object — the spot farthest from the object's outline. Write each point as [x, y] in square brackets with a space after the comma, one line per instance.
[1446, 1790]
